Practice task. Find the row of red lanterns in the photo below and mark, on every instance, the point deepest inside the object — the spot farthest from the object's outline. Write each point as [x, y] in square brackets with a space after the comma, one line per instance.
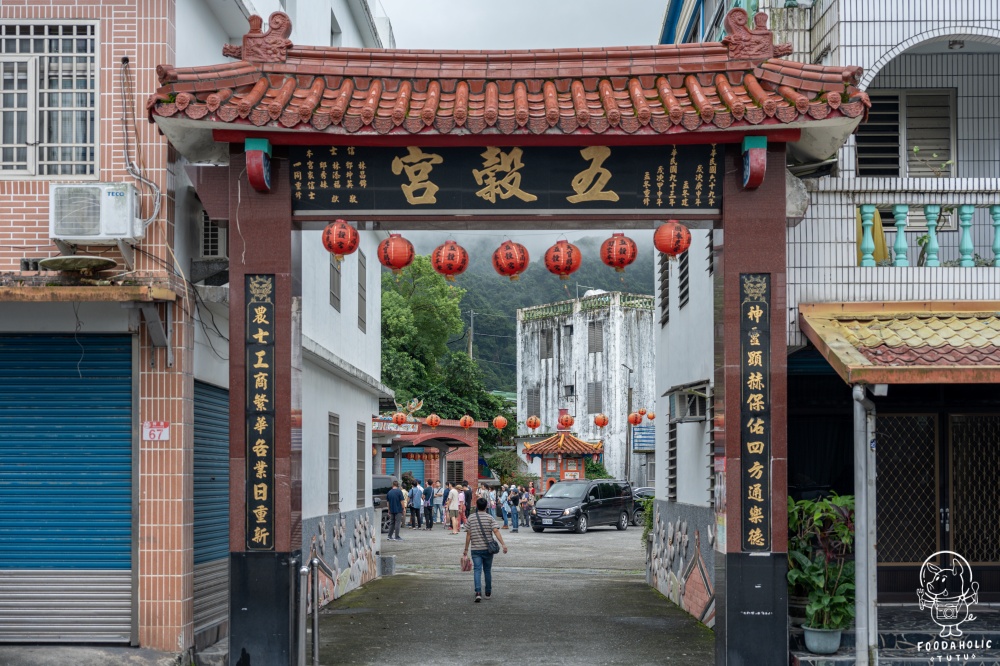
[511, 258]
[422, 456]
[433, 420]
[566, 421]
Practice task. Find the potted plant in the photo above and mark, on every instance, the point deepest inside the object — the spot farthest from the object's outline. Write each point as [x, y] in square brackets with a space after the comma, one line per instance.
[821, 566]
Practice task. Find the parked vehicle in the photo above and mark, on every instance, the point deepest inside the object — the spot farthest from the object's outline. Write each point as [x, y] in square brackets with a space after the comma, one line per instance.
[381, 485]
[577, 505]
[639, 515]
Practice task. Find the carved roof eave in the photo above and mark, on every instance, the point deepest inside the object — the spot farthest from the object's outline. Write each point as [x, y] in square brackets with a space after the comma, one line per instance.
[625, 95]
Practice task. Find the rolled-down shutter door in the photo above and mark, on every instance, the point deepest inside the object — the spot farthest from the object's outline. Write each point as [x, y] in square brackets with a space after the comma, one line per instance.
[211, 506]
[66, 456]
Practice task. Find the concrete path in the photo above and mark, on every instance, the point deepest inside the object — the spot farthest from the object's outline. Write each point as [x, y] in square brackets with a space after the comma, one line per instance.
[558, 598]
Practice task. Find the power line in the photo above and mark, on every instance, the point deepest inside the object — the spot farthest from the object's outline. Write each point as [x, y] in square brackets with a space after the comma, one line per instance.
[513, 365]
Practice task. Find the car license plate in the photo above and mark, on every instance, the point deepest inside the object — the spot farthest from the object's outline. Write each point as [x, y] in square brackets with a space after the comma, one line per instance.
[546, 521]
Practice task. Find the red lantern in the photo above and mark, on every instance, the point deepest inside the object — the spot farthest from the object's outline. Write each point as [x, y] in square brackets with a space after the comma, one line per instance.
[466, 422]
[642, 411]
[600, 420]
[650, 415]
[409, 456]
[450, 259]
[619, 251]
[562, 259]
[635, 418]
[340, 238]
[672, 238]
[433, 420]
[510, 259]
[399, 418]
[566, 421]
[499, 423]
[395, 252]
[533, 422]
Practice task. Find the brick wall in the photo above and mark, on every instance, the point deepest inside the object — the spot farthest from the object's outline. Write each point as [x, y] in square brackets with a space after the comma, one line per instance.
[143, 31]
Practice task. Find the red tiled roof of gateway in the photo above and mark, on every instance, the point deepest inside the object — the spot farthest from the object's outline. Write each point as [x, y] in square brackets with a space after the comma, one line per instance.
[739, 83]
[563, 442]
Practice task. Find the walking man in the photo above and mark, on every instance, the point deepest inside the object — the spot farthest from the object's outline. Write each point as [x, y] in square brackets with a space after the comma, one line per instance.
[395, 499]
[514, 498]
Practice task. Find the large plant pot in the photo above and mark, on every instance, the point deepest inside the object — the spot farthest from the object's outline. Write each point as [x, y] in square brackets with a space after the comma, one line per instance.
[822, 641]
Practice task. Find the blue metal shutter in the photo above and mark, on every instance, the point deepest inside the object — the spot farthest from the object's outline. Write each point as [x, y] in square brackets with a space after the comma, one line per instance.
[211, 473]
[66, 456]
[211, 507]
[415, 467]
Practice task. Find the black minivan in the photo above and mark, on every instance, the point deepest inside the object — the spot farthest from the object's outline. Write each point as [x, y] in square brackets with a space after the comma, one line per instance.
[576, 505]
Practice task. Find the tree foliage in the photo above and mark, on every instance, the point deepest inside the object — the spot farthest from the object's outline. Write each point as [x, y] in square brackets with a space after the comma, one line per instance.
[420, 312]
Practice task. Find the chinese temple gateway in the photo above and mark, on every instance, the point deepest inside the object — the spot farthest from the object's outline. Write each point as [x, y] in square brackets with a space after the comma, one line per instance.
[504, 140]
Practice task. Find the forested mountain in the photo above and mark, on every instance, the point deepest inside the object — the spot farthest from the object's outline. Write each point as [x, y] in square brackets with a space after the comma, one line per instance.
[495, 299]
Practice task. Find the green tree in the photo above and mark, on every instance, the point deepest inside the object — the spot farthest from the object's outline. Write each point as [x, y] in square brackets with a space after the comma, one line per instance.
[420, 312]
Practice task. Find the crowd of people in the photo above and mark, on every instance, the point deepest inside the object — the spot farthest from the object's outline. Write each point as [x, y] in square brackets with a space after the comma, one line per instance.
[457, 507]
[450, 505]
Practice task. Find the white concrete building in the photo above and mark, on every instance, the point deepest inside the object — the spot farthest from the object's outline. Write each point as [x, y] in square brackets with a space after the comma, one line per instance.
[902, 234]
[586, 357]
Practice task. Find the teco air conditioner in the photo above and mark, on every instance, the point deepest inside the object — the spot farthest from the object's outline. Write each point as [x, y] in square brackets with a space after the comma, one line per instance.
[94, 213]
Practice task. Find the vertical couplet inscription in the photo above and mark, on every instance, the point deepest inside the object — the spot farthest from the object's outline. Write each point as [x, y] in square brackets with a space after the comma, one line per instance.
[755, 410]
[260, 412]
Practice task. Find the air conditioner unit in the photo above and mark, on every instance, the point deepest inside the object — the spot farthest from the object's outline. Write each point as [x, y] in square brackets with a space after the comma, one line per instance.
[94, 213]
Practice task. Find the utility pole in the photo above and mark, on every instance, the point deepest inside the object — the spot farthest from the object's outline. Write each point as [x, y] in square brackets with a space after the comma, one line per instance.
[472, 329]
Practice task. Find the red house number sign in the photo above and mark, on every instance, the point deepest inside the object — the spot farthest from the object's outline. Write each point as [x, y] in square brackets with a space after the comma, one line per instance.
[156, 431]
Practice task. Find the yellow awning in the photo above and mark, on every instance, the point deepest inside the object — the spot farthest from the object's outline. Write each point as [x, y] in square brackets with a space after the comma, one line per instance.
[907, 342]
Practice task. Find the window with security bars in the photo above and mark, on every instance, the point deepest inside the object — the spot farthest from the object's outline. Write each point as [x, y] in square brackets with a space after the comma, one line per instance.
[710, 454]
[213, 239]
[333, 464]
[335, 275]
[901, 120]
[672, 462]
[362, 454]
[456, 471]
[683, 279]
[595, 337]
[362, 291]
[534, 400]
[595, 397]
[664, 290]
[545, 343]
[48, 99]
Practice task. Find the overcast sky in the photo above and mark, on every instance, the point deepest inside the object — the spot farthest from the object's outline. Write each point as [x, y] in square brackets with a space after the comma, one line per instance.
[523, 24]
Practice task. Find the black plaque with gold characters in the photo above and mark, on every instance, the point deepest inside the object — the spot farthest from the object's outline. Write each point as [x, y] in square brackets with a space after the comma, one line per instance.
[260, 412]
[417, 180]
[755, 410]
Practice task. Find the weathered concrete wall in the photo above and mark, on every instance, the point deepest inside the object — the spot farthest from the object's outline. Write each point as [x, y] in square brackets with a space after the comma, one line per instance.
[681, 563]
[348, 542]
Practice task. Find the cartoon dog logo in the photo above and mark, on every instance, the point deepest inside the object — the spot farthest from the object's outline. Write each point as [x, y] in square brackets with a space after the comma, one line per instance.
[948, 593]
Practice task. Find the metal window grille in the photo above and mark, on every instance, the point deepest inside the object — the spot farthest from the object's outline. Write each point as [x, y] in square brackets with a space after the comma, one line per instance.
[595, 337]
[683, 279]
[906, 493]
[975, 514]
[664, 289]
[595, 397]
[672, 462]
[362, 292]
[456, 471]
[213, 239]
[333, 464]
[545, 343]
[335, 275]
[48, 82]
[534, 399]
[362, 454]
[710, 440]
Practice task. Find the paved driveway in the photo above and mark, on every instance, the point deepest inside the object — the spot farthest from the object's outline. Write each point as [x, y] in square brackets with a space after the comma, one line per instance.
[558, 598]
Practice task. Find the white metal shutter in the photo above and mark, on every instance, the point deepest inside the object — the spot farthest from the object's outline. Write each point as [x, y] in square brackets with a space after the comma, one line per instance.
[66, 464]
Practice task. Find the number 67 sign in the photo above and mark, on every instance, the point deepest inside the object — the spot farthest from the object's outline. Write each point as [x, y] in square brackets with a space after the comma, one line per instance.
[156, 431]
